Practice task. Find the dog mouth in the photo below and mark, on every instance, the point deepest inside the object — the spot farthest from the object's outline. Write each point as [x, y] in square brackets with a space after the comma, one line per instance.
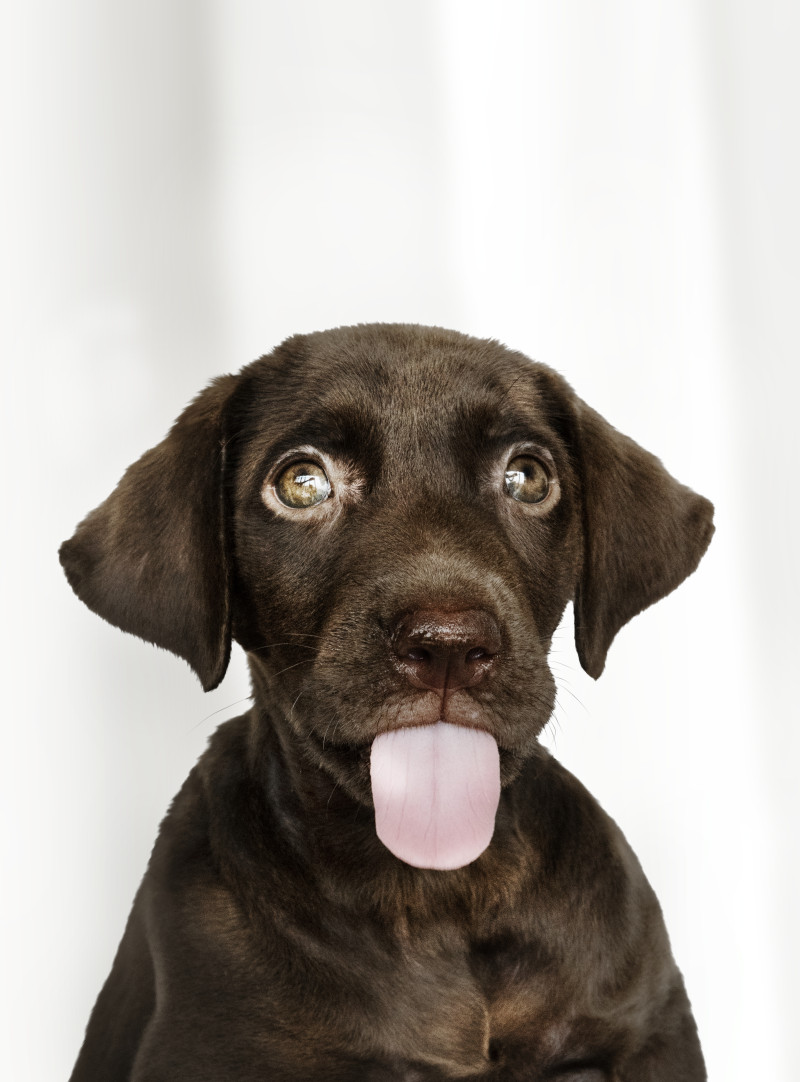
[430, 765]
[434, 788]
[432, 774]
[427, 707]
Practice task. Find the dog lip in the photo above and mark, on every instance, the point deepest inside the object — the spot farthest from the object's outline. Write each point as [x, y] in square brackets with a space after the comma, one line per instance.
[428, 707]
[425, 724]
[420, 710]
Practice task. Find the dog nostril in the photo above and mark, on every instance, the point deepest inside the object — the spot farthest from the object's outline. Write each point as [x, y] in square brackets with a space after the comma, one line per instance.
[415, 653]
[477, 654]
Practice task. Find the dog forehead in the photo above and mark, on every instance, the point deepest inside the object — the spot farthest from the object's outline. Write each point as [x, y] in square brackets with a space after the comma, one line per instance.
[393, 384]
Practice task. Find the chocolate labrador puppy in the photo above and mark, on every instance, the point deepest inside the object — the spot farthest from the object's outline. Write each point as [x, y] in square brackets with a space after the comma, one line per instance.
[377, 872]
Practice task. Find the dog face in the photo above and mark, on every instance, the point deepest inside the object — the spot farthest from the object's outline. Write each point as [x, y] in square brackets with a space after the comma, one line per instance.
[348, 605]
[390, 520]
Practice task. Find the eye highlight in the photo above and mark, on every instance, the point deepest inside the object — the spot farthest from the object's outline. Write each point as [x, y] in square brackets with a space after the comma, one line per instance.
[302, 484]
[526, 479]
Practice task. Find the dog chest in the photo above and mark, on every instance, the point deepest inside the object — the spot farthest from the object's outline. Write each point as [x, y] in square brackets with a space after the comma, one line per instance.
[431, 1003]
[433, 999]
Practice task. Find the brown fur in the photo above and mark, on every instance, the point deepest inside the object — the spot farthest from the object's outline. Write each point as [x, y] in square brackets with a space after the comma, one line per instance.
[273, 936]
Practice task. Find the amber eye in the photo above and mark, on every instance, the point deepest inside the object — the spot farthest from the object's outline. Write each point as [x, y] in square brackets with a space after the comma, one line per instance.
[526, 479]
[303, 484]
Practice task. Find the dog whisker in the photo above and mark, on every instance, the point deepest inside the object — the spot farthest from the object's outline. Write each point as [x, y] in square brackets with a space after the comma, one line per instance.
[222, 709]
[273, 645]
[510, 388]
[294, 704]
[334, 720]
[561, 664]
[327, 727]
[561, 687]
[305, 661]
[330, 797]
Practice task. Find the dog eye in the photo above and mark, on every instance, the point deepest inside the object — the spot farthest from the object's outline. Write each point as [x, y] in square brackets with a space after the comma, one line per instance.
[526, 479]
[303, 484]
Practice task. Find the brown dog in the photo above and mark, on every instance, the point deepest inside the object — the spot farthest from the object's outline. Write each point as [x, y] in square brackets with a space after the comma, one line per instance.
[390, 520]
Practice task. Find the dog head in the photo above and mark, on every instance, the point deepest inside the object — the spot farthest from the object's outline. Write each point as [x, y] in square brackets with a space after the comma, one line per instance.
[390, 520]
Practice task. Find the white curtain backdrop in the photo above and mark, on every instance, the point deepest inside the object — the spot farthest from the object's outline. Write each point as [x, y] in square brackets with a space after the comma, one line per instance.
[609, 187]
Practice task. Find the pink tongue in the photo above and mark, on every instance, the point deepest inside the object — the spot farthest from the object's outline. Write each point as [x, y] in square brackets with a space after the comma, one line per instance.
[436, 790]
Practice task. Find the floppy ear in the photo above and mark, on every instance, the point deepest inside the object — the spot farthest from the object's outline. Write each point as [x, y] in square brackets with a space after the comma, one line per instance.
[643, 534]
[152, 559]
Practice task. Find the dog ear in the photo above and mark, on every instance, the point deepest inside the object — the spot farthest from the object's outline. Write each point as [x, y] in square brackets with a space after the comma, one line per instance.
[152, 559]
[644, 533]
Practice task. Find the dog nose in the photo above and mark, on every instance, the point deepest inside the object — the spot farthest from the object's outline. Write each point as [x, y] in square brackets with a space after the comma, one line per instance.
[446, 650]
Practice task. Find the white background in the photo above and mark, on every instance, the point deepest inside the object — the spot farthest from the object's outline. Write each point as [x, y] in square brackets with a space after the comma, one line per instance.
[611, 188]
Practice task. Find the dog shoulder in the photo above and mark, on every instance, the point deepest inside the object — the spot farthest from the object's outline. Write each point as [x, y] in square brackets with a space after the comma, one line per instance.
[582, 853]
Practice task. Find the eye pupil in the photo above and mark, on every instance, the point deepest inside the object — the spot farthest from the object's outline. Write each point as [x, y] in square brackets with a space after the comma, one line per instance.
[303, 484]
[526, 479]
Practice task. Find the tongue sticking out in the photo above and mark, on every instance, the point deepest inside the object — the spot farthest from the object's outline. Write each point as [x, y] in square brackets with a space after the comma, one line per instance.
[436, 790]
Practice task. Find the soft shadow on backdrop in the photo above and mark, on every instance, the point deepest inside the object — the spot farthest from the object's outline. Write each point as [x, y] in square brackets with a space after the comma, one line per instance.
[611, 189]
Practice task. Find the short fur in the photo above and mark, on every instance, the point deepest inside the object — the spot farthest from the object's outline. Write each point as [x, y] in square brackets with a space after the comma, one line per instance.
[273, 936]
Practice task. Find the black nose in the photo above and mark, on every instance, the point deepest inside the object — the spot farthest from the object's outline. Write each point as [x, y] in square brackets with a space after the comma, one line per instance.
[446, 650]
